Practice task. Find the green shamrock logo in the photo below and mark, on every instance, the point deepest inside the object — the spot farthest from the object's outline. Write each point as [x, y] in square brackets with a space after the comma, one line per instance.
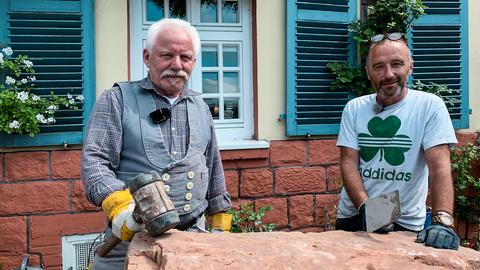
[383, 139]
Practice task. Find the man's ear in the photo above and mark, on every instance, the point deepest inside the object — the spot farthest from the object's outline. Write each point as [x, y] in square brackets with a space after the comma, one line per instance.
[146, 57]
[366, 71]
[410, 67]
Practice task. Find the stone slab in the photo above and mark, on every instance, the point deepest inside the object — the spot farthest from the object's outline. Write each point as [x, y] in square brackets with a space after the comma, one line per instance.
[177, 250]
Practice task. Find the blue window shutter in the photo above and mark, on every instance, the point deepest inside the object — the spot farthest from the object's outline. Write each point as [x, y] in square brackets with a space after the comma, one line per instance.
[58, 36]
[439, 41]
[316, 35]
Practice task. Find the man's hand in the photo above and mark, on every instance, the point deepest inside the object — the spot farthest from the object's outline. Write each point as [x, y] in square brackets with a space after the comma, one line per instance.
[118, 207]
[361, 212]
[439, 236]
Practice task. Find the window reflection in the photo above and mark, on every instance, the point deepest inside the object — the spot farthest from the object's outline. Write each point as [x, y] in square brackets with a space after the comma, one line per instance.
[178, 9]
[230, 56]
[229, 11]
[210, 82]
[209, 56]
[213, 104]
[230, 108]
[155, 10]
[208, 11]
[230, 82]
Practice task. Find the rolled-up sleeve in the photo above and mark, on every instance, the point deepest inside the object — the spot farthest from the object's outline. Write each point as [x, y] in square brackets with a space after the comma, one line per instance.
[219, 199]
[102, 146]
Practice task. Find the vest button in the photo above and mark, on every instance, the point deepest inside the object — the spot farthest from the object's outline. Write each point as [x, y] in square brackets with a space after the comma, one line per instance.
[189, 185]
[188, 196]
[186, 207]
[190, 175]
[167, 188]
[165, 177]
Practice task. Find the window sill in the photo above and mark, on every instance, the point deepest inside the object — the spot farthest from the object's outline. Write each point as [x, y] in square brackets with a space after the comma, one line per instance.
[242, 144]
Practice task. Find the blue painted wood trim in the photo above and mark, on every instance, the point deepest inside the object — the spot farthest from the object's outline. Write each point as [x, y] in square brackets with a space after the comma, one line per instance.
[465, 64]
[88, 7]
[291, 124]
[45, 5]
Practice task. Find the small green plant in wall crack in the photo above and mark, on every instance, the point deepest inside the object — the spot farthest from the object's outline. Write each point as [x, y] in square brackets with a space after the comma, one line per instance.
[21, 110]
[246, 219]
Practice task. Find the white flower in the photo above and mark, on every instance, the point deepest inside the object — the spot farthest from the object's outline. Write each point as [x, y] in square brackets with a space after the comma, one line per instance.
[32, 78]
[71, 101]
[9, 80]
[8, 51]
[41, 118]
[22, 96]
[28, 63]
[51, 109]
[69, 96]
[35, 97]
[14, 124]
[80, 98]
[50, 120]
[1, 58]
[24, 81]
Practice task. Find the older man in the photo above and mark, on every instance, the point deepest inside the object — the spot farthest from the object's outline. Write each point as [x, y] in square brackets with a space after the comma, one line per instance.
[397, 139]
[155, 124]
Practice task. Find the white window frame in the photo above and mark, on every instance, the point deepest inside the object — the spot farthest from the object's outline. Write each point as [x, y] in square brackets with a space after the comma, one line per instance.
[231, 134]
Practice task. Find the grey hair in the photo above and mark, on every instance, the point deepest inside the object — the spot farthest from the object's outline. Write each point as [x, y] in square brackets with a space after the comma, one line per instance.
[166, 23]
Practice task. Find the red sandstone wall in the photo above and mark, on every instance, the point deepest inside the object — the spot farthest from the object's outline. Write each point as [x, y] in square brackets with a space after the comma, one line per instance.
[42, 198]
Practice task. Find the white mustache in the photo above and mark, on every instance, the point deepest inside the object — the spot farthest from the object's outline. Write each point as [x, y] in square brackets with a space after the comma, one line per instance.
[173, 73]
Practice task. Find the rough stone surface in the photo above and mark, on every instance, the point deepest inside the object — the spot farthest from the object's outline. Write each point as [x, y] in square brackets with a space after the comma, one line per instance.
[301, 211]
[292, 250]
[26, 166]
[231, 181]
[254, 183]
[30, 197]
[79, 200]
[323, 152]
[288, 153]
[66, 164]
[13, 238]
[278, 214]
[296, 180]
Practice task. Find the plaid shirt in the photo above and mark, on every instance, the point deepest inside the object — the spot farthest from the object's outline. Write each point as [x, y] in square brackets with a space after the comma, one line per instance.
[103, 143]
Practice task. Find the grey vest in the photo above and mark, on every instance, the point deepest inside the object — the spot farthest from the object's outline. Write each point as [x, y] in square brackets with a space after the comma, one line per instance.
[143, 149]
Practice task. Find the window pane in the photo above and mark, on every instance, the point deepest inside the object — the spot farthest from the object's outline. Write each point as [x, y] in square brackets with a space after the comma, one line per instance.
[230, 56]
[155, 10]
[178, 9]
[209, 56]
[214, 106]
[229, 11]
[208, 11]
[210, 82]
[230, 108]
[230, 82]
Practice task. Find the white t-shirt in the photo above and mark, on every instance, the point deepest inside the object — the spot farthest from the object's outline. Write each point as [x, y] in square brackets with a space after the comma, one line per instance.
[392, 145]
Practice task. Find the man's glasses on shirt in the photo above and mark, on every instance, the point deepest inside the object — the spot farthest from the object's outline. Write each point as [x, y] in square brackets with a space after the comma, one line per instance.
[160, 115]
[391, 36]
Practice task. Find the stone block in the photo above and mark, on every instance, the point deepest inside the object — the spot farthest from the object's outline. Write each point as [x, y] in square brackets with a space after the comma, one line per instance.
[301, 211]
[231, 181]
[321, 152]
[26, 166]
[34, 197]
[292, 250]
[326, 210]
[66, 164]
[13, 238]
[296, 180]
[334, 179]
[79, 200]
[279, 212]
[288, 153]
[255, 183]
[466, 137]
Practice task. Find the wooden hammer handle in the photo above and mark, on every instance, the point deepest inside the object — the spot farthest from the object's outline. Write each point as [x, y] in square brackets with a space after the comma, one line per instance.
[107, 246]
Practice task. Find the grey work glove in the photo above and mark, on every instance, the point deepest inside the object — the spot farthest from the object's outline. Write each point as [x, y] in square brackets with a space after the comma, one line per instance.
[439, 236]
[385, 229]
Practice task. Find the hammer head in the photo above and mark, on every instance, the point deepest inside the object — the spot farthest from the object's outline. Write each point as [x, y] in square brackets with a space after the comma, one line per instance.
[152, 203]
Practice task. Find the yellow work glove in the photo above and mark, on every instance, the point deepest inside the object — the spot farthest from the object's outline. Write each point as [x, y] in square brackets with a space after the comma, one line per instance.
[221, 222]
[118, 207]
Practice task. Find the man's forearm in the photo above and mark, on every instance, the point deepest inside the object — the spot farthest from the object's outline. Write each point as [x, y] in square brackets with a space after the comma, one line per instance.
[440, 178]
[352, 181]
